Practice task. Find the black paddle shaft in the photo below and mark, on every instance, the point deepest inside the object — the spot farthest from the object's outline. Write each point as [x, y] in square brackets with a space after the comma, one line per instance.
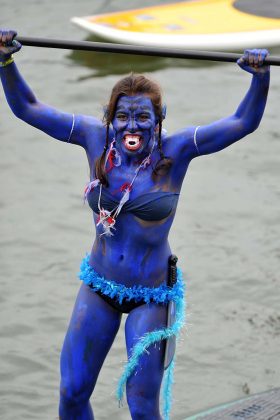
[137, 50]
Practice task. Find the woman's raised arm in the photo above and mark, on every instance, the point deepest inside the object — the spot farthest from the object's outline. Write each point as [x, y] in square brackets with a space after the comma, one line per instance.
[222, 133]
[22, 101]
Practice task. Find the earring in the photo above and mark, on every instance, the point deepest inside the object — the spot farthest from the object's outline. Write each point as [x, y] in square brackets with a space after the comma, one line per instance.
[116, 157]
[163, 111]
[106, 112]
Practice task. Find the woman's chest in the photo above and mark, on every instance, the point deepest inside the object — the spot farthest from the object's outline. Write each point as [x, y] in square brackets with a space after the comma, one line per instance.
[137, 184]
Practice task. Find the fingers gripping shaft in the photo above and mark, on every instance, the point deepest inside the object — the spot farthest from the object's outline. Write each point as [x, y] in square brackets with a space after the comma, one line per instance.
[8, 45]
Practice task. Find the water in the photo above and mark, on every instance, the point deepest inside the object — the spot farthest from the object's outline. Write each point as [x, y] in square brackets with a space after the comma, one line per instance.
[226, 233]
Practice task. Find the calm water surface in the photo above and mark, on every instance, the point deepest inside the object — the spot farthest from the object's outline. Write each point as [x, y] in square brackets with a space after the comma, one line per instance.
[226, 233]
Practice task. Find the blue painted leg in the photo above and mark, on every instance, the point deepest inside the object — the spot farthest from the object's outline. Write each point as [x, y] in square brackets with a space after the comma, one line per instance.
[143, 386]
[93, 327]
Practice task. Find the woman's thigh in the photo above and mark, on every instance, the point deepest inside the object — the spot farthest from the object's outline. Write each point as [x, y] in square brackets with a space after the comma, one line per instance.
[144, 384]
[91, 332]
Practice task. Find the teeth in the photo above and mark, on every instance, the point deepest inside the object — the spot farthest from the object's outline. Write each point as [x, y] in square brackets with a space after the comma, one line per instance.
[132, 142]
[132, 139]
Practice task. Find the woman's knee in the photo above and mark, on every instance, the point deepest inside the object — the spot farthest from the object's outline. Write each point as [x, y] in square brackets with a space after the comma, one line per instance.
[142, 405]
[74, 394]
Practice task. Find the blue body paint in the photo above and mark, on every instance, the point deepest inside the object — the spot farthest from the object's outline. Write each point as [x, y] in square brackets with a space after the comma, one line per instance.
[134, 117]
[138, 252]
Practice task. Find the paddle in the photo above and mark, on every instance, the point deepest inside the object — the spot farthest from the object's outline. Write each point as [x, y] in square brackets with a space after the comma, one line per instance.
[137, 50]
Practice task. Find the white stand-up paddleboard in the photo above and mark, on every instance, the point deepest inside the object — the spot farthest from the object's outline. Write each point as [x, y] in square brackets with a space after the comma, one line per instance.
[264, 406]
[195, 24]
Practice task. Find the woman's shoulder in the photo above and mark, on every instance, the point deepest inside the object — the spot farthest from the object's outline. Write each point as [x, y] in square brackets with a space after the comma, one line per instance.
[88, 127]
[182, 141]
[183, 133]
[88, 130]
[85, 123]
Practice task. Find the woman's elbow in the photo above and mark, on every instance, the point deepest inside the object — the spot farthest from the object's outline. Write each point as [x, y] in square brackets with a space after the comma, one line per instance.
[25, 113]
[252, 127]
[18, 112]
[248, 127]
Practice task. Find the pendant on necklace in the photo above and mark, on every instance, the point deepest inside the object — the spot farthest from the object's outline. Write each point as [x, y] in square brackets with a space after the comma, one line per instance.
[107, 221]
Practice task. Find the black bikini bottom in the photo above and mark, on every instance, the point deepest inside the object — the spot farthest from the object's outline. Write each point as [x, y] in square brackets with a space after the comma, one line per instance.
[125, 307]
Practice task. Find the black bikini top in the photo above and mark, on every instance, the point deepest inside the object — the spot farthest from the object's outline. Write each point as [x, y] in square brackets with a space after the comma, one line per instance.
[149, 206]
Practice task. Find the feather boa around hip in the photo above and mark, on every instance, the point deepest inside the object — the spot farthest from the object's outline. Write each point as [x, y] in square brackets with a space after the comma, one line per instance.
[161, 294]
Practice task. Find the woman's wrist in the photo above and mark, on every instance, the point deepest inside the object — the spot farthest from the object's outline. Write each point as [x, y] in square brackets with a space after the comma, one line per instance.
[262, 76]
[7, 61]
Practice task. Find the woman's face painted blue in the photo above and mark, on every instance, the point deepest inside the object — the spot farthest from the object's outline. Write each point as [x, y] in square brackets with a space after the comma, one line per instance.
[134, 123]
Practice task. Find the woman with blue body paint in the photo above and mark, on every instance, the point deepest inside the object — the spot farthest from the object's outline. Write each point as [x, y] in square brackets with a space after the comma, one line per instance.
[136, 175]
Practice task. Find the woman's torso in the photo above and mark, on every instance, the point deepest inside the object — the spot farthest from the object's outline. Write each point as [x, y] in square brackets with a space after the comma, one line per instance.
[138, 251]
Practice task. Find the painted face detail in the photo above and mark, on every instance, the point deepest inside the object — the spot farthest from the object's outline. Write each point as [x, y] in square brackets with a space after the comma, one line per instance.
[134, 123]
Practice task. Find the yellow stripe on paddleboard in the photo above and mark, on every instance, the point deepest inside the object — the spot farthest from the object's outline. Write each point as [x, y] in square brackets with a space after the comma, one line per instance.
[188, 18]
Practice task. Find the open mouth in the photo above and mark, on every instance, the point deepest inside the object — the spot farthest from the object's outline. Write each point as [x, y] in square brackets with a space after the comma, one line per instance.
[132, 141]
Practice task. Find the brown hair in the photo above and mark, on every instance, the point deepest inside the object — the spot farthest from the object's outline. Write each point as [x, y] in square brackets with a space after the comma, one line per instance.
[131, 85]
